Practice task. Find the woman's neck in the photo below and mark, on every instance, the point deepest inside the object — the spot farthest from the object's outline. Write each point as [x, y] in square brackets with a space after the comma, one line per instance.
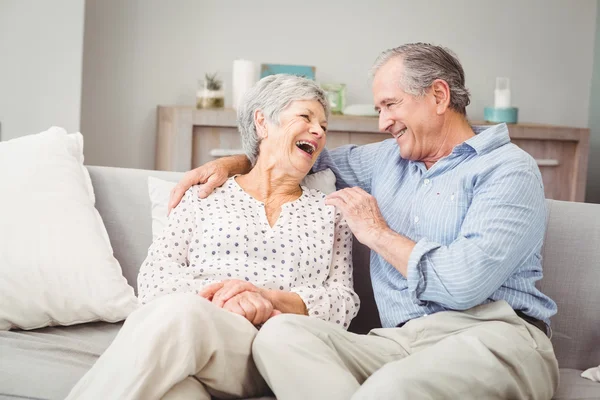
[266, 184]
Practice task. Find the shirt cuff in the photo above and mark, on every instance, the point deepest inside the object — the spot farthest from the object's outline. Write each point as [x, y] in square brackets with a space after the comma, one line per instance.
[415, 274]
[311, 300]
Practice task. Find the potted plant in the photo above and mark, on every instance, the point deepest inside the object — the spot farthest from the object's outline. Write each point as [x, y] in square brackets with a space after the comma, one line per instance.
[210, 92]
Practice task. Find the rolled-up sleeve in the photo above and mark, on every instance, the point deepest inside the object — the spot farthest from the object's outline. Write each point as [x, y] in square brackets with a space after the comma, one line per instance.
[335, 300]
[504, 226]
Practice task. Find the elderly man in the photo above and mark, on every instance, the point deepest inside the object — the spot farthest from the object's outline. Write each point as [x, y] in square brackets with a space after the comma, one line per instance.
[456, 224]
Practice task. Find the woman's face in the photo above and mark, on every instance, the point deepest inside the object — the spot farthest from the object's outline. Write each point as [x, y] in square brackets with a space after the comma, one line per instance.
[296, 142]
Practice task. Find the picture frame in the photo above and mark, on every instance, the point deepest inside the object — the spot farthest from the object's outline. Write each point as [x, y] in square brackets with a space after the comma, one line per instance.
[306, 71]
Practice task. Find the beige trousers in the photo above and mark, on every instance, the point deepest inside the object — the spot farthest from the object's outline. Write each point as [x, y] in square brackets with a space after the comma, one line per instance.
[179, 346]
[487, 352]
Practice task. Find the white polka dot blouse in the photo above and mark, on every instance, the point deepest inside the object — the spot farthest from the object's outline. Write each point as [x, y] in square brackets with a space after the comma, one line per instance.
[227, 236]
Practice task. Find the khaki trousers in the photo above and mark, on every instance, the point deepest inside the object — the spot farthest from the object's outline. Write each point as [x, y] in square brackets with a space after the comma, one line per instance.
[179, 346]
[486, 352]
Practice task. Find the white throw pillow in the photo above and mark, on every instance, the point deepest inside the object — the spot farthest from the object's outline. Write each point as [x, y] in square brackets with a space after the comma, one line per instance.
[160, 191]
[322, 180]
[56, 261]
[592, 374]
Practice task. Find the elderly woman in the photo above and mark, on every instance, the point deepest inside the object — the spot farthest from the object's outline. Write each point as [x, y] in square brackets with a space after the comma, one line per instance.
[259, 246]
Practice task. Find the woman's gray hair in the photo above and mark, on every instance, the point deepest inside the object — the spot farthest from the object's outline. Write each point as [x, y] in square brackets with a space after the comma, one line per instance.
[424, 63]
[271, 95]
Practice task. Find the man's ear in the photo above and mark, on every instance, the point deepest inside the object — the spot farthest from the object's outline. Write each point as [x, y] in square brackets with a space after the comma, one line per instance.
[441, 93]
[260, 121]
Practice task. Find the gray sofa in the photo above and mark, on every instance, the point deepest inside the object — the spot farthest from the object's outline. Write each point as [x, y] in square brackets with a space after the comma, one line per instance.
[46, 363]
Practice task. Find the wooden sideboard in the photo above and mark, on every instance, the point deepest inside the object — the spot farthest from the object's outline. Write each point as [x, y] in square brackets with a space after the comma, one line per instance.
[188, 137]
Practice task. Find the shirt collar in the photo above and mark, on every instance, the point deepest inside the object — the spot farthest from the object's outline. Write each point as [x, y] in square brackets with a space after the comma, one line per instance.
[486, 139]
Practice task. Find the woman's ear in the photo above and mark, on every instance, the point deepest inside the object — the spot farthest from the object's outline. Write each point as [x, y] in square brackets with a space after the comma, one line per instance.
[260, 121]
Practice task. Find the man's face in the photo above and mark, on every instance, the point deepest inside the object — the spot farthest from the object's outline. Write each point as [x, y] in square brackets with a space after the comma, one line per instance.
[412, 120]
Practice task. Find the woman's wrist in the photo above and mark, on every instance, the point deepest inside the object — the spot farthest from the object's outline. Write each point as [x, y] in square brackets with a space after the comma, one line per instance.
[286, 302]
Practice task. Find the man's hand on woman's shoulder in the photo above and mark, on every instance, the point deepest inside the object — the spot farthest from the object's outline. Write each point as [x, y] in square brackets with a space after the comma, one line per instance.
[209, 176]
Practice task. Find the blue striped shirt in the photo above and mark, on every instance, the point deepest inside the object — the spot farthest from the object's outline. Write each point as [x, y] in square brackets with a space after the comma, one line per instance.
[478, 217]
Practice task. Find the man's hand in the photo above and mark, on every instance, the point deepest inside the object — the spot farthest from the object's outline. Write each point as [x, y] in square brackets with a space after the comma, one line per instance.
[210, 175]
[361, 212]
[221, 292]
[364, 218]
[252, 306]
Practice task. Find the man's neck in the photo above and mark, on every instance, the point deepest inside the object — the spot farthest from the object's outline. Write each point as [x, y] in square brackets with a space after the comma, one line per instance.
[454, 131]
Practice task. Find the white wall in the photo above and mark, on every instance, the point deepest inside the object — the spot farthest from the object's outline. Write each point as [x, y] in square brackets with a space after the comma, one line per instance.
[142, 53]
[41, 52]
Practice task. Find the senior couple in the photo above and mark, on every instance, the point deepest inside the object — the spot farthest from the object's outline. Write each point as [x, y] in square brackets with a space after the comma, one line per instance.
[249, 289]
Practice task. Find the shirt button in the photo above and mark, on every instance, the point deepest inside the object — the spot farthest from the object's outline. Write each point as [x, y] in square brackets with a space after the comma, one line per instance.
[426, 181]
[416, 220]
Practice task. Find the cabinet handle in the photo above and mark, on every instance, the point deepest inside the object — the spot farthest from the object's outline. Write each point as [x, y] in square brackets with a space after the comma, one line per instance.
[547, 162]
[226, 152]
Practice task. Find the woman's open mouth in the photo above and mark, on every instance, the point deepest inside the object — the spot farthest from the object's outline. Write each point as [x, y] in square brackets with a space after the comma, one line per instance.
[306, 147]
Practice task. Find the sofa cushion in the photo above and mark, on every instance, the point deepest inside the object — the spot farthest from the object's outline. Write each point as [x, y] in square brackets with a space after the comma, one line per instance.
[571, 261]
[573, 387]
[122, 200]
[46, 363]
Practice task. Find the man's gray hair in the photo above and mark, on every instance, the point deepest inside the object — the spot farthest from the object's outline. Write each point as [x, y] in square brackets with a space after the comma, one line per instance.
[271, 95]
[424, 63]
